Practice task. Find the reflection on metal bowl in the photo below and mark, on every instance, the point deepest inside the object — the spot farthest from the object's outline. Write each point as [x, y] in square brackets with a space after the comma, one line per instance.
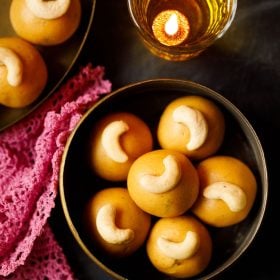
[148, 99]
[60, 59]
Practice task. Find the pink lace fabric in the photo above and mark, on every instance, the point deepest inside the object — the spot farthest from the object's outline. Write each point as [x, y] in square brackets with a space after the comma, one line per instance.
[46, 261]
[30, 155]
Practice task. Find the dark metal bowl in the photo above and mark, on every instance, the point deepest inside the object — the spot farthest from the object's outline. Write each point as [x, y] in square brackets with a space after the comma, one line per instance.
[147, 99]
[59, 59]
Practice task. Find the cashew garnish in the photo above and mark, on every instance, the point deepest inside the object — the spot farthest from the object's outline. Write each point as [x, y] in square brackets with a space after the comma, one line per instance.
[14, 66]
[180, 250]
[196, 123]
[110, 140]
[166, 181]
[105, 223]
[49, 9]
[232, 195]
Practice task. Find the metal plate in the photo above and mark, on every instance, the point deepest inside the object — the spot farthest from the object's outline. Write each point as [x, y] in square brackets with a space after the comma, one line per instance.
[148, 99]
[59, 59]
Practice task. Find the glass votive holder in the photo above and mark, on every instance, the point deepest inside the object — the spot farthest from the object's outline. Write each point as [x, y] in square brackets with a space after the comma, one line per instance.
[181, 29]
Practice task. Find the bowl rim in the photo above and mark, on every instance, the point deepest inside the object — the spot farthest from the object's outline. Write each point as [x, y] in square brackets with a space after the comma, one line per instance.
[233, 110]
[47, 93]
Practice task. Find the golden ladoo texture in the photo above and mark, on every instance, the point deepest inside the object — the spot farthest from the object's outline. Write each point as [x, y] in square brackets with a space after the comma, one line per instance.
[179, 246]
[23, 72]
[44, 31]
[163, 183]
[192, 125]
[118, 139]
[227, 191]
[115, 223]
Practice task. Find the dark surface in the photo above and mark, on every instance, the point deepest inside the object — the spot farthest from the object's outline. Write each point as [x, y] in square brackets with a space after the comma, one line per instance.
[243, 66]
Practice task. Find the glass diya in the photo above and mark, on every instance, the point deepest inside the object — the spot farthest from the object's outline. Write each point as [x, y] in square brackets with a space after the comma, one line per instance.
[181, 29]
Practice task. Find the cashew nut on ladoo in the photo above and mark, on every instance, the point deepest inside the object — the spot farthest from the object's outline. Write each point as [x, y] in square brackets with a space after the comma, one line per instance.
[14, 66]
[105, 223]
[49, 9]
[166, 181]
[232, 195]
[180, 250]
[196, 123]
[111, 142]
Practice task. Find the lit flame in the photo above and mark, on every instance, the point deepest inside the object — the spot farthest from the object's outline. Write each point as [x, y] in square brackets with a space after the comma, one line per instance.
[172, 25]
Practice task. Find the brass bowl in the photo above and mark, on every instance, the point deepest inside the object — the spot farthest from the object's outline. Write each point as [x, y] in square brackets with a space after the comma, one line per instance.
[147, 99]
[60, 59]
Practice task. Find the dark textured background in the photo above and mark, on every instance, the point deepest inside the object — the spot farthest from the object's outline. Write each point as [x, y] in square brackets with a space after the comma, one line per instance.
[243, 66]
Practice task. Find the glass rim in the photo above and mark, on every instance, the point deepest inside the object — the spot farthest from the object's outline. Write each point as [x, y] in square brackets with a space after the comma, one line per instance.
[149, 39]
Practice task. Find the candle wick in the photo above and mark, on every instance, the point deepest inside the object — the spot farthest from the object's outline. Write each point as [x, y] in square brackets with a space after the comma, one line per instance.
[171, 26]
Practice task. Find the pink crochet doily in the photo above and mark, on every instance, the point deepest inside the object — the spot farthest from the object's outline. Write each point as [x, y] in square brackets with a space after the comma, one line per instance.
[30, 154]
